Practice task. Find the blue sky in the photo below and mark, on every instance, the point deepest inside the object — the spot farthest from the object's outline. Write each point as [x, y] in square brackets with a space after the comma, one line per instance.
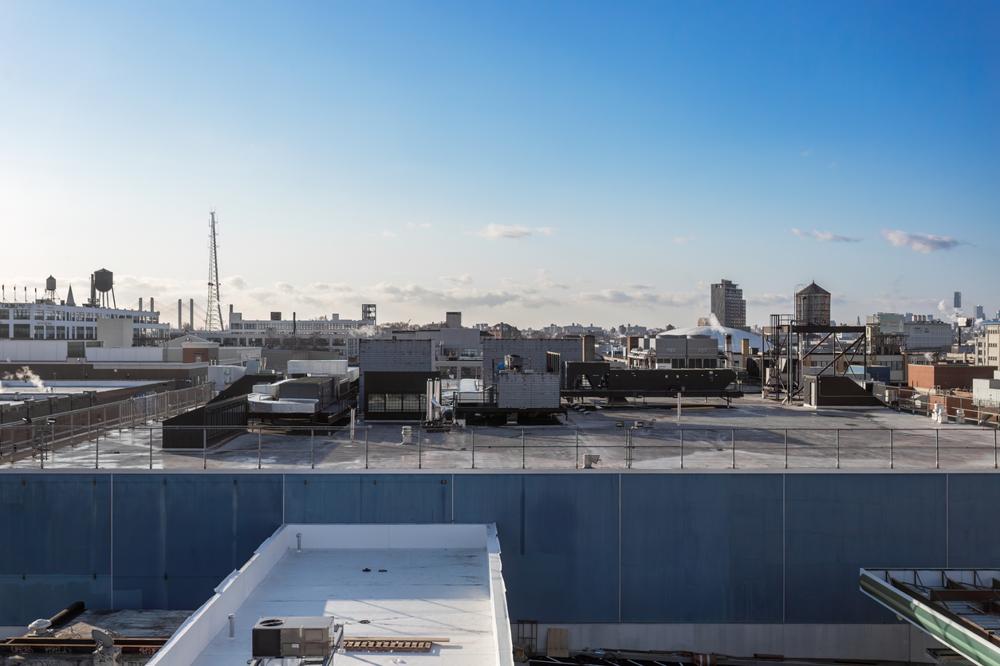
[529, 162]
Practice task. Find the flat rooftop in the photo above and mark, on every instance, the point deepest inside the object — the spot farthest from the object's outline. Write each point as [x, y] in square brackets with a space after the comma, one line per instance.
[767, 435]
[406, 582]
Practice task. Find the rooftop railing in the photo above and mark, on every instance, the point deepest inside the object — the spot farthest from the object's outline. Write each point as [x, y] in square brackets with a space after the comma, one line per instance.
[123, 444]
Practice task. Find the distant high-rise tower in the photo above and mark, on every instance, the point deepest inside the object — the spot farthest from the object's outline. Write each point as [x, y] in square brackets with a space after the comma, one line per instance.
[958, 300]
[728, 305]
[812, 305]
[213, 308]
[980, 312]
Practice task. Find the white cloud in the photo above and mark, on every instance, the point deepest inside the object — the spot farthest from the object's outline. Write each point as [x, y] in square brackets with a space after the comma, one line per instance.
[237, 282]
[770, 299]
[498, 231]
[458, 297]
[643, 296]
[922, 243]
[682, 240]
[825, 236]
[464, 278]
[386, 233]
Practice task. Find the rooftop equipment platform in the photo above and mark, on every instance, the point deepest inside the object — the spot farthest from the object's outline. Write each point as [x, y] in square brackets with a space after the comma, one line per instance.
[431, 594]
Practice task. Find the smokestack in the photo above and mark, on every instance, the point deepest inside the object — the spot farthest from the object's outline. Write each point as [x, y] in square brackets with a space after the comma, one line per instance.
[191, 312]
[93, 291]
[180, 311]
[140, 304]
[152, 308]
[294, 325]
[729, 350]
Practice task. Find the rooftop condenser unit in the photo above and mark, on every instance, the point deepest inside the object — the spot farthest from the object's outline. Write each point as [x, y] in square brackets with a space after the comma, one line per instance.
[281, 637]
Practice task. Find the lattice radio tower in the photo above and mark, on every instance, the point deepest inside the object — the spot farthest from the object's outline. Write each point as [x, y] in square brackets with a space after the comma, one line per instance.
[213, 310]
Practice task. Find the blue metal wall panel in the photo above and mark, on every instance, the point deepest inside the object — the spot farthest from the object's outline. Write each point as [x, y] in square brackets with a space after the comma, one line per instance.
[406, 498]
[31, 597]
[693, 548]
[837, 523]
[559, 537]
[314, 498]
[56, 543]
[701, 548]
[973, 539]
[177, 536]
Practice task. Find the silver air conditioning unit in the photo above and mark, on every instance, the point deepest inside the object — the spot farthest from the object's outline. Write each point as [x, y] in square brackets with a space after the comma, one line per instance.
[291, 637]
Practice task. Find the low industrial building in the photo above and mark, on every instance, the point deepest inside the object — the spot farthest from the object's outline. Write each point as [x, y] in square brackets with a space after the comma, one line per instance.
[946, 375]
[49, 318]
[986, 391]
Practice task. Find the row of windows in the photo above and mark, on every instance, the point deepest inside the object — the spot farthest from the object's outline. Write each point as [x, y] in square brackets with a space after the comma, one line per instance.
[396, 402]
[680, 363]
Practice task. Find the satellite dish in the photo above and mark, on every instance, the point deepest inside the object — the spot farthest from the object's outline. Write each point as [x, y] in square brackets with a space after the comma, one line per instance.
[40, 627]
[103, 638]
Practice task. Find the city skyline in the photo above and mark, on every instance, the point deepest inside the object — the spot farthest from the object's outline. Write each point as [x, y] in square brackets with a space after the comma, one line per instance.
[533, 165]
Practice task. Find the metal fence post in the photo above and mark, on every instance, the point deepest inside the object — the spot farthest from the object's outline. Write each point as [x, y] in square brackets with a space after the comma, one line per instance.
[733, 437]
[150, 448]
[522, 448]
[786, 448]
[258, 447]
[937, 448]
[577, 456]
[204, 448]
[420, 457]
[312, 448]
[892, 461]
[628, 448]
[366, 445]
[97, 453]
[838, 448]
[682, 448]
[473, 433]
[994, 449]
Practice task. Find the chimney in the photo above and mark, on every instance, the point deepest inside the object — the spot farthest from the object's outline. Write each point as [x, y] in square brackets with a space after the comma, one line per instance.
[180, 312]
[151, 307]
[191, 312]
[294, 325]
[729, 350]
[140, 304]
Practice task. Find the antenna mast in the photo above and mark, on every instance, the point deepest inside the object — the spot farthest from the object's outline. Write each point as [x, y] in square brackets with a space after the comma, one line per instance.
[213, 310]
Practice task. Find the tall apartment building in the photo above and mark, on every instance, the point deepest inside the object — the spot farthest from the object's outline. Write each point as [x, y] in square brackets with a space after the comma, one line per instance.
[812, 305]
[728, 305]
[988, 345]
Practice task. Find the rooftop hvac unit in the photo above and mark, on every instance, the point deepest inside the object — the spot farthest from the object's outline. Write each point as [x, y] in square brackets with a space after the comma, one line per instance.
[291, 637]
